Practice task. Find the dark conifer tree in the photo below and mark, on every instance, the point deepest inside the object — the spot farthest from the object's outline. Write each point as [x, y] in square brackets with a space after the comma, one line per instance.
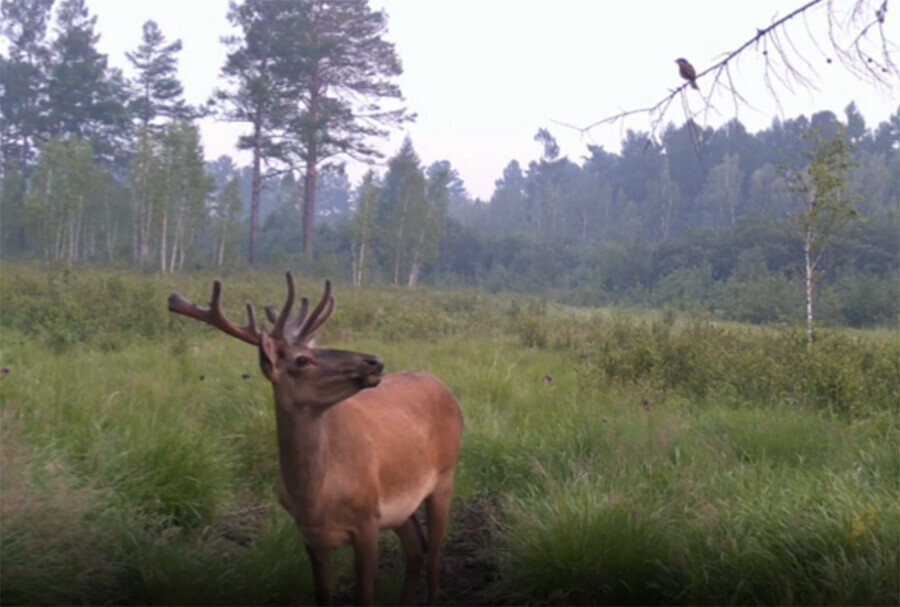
[156, 91]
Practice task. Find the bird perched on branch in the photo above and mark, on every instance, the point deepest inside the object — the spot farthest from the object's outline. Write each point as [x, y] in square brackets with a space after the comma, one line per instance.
[687, 72]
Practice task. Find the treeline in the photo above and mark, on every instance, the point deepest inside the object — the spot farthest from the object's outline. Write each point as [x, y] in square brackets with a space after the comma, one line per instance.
[619, 229]
[102, 168]
[98, 166]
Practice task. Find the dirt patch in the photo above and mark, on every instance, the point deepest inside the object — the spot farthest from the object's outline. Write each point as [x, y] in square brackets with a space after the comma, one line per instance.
[243, 525]
[471, 572]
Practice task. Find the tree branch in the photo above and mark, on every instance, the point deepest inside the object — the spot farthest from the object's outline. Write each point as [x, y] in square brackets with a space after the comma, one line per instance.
[784, 64]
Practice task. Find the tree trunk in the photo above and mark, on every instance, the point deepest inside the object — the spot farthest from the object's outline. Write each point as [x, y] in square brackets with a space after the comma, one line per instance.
[255, 191]
[312, 161]
[221, 256]
[110, 234]
[309, 205]
[414, 275]
[163, 239]
[810, 286]
[398, 247]
[418, 255]
[358, 275]
[147, 222]
[175, 239]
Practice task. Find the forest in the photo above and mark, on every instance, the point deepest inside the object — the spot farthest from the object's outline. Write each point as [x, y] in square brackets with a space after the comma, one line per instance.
[106, 169]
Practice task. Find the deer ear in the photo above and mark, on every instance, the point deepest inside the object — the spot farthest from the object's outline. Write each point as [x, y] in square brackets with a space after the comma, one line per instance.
[268, 355]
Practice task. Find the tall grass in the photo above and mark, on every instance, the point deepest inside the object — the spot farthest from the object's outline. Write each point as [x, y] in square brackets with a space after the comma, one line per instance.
[627, 460]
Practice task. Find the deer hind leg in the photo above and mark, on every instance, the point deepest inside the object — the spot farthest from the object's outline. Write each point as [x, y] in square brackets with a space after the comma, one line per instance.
[437, 508]
[413, 541]
[320, 559]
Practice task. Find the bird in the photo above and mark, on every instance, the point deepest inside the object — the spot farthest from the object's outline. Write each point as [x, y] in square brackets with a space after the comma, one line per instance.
[687, 72]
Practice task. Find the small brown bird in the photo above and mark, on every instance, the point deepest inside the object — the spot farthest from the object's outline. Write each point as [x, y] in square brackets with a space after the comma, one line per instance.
[687, 72]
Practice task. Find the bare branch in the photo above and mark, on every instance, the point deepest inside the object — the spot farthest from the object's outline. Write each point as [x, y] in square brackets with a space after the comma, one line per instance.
[858, 42]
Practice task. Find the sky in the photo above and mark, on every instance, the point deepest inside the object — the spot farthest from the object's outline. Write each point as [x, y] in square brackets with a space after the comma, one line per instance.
[484, 75]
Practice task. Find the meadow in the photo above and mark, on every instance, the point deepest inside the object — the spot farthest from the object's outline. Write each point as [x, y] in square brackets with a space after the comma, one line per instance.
[610, 456]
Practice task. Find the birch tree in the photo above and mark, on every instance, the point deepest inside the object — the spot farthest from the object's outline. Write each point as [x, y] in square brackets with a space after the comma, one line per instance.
[427, 221]
[185, 192]
[146, 181]
[362, 226]
[824, 207]
[60, 203]
[226, 218]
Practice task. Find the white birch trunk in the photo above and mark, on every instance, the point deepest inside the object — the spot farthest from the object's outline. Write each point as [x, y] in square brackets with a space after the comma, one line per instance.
[163, 242]
[810, 285]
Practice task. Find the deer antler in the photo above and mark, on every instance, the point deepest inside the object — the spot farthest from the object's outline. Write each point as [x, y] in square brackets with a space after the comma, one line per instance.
[214, 316]
[293, 329]
[278, 330]
[302, 329]
[319, 316]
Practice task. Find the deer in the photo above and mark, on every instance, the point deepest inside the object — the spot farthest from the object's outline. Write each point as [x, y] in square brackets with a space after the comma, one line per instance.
[358, 451]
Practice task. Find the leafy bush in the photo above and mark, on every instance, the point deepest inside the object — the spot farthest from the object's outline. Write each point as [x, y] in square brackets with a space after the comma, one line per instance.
[698, 358]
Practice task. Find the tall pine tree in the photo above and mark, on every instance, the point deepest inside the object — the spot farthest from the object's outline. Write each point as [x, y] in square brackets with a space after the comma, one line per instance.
[84, 97]
[255, 91]
[156, 91]
[345, 74]
[23, 80]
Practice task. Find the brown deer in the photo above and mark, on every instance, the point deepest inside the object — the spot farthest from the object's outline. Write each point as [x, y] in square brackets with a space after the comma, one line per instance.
[358, 452]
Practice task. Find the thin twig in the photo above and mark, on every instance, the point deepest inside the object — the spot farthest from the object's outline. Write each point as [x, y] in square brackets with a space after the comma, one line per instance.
[785, 66]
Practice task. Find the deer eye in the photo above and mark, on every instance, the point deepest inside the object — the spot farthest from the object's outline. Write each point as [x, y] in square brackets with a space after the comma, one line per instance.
[301, 361]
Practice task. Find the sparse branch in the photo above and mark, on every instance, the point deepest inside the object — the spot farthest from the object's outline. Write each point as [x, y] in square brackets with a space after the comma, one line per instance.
[867, 55]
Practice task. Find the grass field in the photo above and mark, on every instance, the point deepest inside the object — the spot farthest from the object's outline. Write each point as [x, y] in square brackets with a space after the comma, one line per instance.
[608, 458]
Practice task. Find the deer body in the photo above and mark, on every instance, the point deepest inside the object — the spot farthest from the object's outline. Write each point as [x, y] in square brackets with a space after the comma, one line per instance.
[358, 452]
[330, 472]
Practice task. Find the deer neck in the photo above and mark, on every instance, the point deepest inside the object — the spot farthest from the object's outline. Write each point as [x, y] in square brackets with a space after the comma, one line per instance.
[302, 449]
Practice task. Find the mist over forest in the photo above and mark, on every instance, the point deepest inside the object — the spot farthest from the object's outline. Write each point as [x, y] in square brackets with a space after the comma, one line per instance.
[108, 169]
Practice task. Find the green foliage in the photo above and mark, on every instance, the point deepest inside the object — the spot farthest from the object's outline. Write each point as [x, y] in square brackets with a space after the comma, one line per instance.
[66, 307]
[83, 97]
[66, 205]
[700, 358]
[576, 547]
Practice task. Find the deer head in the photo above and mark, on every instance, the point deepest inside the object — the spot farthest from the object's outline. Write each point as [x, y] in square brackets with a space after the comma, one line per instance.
[302, 375]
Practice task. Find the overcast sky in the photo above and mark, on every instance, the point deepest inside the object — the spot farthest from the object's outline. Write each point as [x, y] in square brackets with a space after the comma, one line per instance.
[484, 75]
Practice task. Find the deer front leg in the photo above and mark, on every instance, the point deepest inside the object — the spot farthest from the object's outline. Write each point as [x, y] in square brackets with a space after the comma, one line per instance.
[365, 547]
[320, 559]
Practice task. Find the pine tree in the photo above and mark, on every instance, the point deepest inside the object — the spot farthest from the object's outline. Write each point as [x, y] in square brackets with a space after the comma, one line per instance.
[23, 80]
[256, 91]
[344, 82]
[156, 91]
[84, 97]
